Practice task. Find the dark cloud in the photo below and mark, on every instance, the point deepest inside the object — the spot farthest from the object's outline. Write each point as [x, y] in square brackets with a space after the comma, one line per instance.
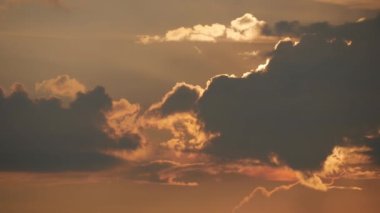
[181, 98]
[310, 97]
[355, 30]
[295, 28]
[374, 145]
[41, 135]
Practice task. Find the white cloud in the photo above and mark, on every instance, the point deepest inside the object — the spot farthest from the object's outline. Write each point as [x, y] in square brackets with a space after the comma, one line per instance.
[246, 28]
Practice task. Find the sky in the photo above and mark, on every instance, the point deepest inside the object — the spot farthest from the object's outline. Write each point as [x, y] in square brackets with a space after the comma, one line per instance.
[225, 106]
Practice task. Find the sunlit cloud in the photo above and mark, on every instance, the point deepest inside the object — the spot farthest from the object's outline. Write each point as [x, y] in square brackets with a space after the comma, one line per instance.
[249, 54]
[263, 191]
[63, 87]
[181, 98]
[122, 118]
[186, 130]
[337, 166]
[246, 28]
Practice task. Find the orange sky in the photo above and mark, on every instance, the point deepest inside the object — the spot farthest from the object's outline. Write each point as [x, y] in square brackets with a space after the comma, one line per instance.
[171, 106]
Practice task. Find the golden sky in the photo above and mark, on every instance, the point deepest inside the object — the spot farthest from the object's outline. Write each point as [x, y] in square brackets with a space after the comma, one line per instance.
[198, 106]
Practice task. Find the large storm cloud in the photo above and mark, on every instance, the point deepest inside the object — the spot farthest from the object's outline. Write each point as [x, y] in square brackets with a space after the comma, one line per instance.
[313, 95]
[41, 135]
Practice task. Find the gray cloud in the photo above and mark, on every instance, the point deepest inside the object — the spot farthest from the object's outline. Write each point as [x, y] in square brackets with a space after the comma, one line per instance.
[182, 98]
[309, 98]
[40, 135]
[356, 30]
[374, 145]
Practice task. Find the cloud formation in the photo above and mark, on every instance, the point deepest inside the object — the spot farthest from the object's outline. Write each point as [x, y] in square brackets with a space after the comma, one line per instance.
[181, 98]
[308, 97]
[62, 87]
[41, 135]
[311, 95]
[246, 28]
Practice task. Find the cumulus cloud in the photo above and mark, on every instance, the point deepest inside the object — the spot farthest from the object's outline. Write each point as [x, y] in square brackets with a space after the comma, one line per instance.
[181, 98]
[63, 87]
[246, 28]
[175, 114]
[187, 132]
[122, 118]
[41, 135]
[308, 97]
[303, 117]
[311, 95]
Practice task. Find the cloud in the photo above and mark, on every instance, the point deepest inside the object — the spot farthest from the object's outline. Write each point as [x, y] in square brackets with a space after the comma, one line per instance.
[63, 87]
[308, 97]
[249, 54]
[181, 98]
[354, 30]
[41, 135]
[374, 152]
[122, 118]
[174, 113]
[246, 28]
[264, 191]
[187, 132]
[355, 4]
[344, 162]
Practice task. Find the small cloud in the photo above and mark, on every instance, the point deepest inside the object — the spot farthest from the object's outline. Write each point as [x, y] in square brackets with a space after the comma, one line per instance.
[181, 98]
[62, 87]
[249, 54]
[199, 50]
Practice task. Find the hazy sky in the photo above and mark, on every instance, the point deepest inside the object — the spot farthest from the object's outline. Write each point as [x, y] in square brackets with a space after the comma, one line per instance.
[189, 106]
